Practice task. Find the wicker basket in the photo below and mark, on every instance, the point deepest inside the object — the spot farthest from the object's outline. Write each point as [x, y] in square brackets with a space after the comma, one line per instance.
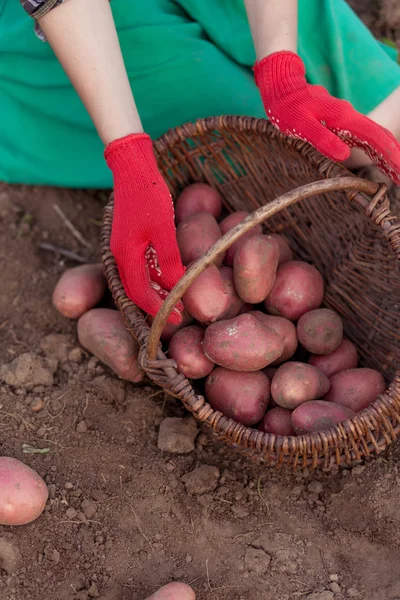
[340, 223]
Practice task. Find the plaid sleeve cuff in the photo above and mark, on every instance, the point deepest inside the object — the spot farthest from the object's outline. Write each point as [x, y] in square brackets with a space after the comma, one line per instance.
[37, 9]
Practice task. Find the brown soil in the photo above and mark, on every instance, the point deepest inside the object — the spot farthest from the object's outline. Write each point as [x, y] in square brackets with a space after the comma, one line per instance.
[124, 517]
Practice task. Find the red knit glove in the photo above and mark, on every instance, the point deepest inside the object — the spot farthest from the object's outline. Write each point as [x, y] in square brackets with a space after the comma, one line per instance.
[310, 113]
[143, 238]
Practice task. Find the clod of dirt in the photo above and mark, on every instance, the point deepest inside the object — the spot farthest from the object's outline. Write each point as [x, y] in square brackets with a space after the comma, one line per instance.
[202, 480]
[114, 389]
[177, 435]
[76, 355]
[37, 405]
[82, 427]
[29, 370]
[57, 345]
[315, 487]
[93, 591]
[10, 556]
[353, 593]
[89, 508]
[257, 560]
[325, 595]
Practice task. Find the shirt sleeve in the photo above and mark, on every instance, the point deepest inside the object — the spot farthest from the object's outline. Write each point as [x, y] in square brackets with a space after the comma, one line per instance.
[37, 9]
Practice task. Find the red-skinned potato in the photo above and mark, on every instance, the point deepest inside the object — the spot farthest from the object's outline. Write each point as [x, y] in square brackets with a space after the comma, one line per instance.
[278, 421]
[186, 348]
[78, 290]
[320, 331]
[344, 357]
[298, 288]
[23, 493]
[235, 303]
[285, 251]
[284, 328]
[171, 328]
[254, 268]
[229, 223]
[207, 298]
[242, 344]
[296, 382]
[195, 235]
[355, 388]
[239, 396]
[318, 415]
[197, 198]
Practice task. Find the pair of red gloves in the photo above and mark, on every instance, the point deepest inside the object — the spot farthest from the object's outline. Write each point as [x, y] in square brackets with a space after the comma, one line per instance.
[143, 237]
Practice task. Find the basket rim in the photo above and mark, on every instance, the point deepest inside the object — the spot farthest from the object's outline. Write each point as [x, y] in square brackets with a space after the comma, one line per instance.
[382, 415]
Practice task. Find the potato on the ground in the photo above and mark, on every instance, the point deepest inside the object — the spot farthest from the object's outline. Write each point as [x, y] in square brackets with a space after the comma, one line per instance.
[239, 396]
[298, 288]
[284, 328]
[320, 331]
[23, 493]
[355, 388]
[254, 268]
[278, 421]
[196, 234]
[207, 298]
[171, 328]
[344, 357]
[197, 198]
[318, 415]
[235, 303]
[285, 251]
[186, 348]
[79, 289]
[229, 223]
[296, 382]
[242, 344]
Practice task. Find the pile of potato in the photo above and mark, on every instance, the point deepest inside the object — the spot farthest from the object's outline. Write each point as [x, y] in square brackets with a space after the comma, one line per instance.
[256, 313]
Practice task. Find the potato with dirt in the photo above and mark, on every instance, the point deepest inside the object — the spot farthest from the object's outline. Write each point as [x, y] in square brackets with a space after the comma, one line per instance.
[298, 288]
[23, 493]
[254, 268]
[196, 234]
[318, 415]
[229, 223]
[296, 382]
[320, 331]
[242, 344]
[284, 328]
[207, 299]
[186, 348]
[198, 198]
[235, 303]
[278, 421]
[241, 396]
[355, 388]
[79, 289]
[344, 357]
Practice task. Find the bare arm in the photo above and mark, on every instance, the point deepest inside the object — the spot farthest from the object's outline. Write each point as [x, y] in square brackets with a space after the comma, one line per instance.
[273, 25]
[83, 36]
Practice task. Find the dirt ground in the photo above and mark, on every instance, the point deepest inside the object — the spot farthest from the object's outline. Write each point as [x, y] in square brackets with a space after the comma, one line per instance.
[123, 517]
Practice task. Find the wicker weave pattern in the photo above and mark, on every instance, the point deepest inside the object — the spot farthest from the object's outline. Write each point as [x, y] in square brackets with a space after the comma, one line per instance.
[351, 237]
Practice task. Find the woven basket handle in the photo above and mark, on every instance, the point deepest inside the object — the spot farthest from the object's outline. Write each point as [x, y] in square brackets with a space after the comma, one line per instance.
[258, 216]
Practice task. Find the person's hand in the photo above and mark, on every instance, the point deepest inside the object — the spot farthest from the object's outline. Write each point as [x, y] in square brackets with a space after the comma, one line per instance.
[143, 238]
[310, 113]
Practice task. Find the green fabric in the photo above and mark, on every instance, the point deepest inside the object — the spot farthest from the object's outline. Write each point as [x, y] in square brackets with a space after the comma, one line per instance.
[186, 59]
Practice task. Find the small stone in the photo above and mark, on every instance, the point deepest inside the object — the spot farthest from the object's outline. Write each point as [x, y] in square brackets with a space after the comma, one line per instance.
[334, 577]
[37, 405]
[188, 558]
[240, 512]
[68, 485]
[29, 370]
[56, 345]
[335, 587]
[257, 560]
[89, 508]
[114, 389]
[82, 427]
[56, 556]
[177, 435]
[325, 595]
[93, 591]
[202, 480]
[353, 593]
[71, 513]
[92, 363]
[358, 470]
[75, 355]
[315, 487]
[10, 556]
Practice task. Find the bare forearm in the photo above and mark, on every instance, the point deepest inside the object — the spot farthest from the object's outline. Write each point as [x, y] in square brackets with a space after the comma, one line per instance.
[273, 25]
[83, 36]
